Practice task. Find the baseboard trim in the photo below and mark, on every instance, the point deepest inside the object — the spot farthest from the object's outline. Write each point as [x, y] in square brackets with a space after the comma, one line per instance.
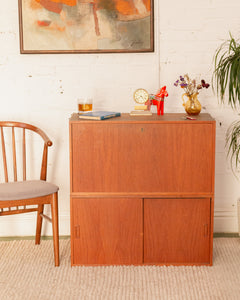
[225, 234]
[66, 237]
[19, 238]
[225, 221]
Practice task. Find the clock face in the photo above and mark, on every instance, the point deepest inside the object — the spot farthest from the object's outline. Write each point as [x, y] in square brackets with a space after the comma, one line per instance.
[140, 96]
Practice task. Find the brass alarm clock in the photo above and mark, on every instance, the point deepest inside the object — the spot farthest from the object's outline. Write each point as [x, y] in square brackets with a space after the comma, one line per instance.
[141, 97]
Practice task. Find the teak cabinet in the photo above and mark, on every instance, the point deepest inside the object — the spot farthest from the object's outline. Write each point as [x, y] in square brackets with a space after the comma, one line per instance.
[142, 190]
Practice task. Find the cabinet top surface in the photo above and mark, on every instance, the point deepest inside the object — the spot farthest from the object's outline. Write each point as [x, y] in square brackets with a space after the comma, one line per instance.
[168, 117]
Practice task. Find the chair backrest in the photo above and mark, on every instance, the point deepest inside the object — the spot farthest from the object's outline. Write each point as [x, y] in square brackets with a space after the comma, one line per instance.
[17, 148]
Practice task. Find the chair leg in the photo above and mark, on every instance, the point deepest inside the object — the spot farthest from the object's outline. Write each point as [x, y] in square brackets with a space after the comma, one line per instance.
[39, 224]
[54, 208]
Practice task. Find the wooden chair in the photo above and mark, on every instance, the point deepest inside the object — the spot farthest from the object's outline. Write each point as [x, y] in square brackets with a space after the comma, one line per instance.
[22, 194]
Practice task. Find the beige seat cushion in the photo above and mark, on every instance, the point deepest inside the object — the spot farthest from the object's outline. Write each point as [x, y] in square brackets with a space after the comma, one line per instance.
[26, 189]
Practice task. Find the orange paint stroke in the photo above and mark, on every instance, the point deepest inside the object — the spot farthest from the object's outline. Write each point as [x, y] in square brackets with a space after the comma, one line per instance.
[51, 6]
[126, 7]
[147, 3]
[34, 4]
[56, 5]
[67, 2]
[43, 23]
[96, 19]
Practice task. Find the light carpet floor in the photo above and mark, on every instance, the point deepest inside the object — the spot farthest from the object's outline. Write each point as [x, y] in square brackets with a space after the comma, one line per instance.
[27, 272]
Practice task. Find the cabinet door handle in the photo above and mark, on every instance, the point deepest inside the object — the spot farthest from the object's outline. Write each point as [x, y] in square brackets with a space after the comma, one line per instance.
[77, 232]
[205, 230]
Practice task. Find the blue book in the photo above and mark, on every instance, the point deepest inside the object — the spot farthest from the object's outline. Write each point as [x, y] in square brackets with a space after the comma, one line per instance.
[99, 115]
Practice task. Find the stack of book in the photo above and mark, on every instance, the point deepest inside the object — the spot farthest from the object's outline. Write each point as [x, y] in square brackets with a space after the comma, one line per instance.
[99, 115]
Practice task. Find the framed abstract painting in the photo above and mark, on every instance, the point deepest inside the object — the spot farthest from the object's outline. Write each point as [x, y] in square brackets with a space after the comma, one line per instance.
[86, 26]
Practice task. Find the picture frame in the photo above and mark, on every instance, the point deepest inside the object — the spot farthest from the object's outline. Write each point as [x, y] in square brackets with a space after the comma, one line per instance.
[86, 26]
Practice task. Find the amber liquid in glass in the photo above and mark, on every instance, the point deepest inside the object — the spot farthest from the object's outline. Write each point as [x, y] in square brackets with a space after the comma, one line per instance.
[84, 107]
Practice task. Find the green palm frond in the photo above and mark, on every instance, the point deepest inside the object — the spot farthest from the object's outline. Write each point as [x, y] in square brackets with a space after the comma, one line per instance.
[226, 75]
[233, 143]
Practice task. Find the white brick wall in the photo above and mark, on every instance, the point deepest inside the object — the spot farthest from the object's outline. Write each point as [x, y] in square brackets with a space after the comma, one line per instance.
[42, 89]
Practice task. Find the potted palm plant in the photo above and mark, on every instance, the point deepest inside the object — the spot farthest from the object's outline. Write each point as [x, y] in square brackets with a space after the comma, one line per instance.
[226, 79]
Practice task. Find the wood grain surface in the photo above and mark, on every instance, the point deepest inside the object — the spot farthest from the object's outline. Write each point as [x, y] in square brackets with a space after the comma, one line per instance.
[107, 231]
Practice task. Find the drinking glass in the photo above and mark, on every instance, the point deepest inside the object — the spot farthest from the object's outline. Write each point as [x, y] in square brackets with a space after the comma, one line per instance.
[85, 105]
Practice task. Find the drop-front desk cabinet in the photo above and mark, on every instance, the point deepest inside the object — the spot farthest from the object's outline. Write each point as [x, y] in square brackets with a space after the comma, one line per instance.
[142, 190]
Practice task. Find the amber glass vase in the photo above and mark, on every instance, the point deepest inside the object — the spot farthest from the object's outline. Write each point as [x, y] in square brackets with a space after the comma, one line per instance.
[192, 105]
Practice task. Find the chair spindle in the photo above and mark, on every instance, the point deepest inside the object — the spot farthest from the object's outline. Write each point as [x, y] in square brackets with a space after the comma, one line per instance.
[14, 154]
[24, 155]
[4, 156]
